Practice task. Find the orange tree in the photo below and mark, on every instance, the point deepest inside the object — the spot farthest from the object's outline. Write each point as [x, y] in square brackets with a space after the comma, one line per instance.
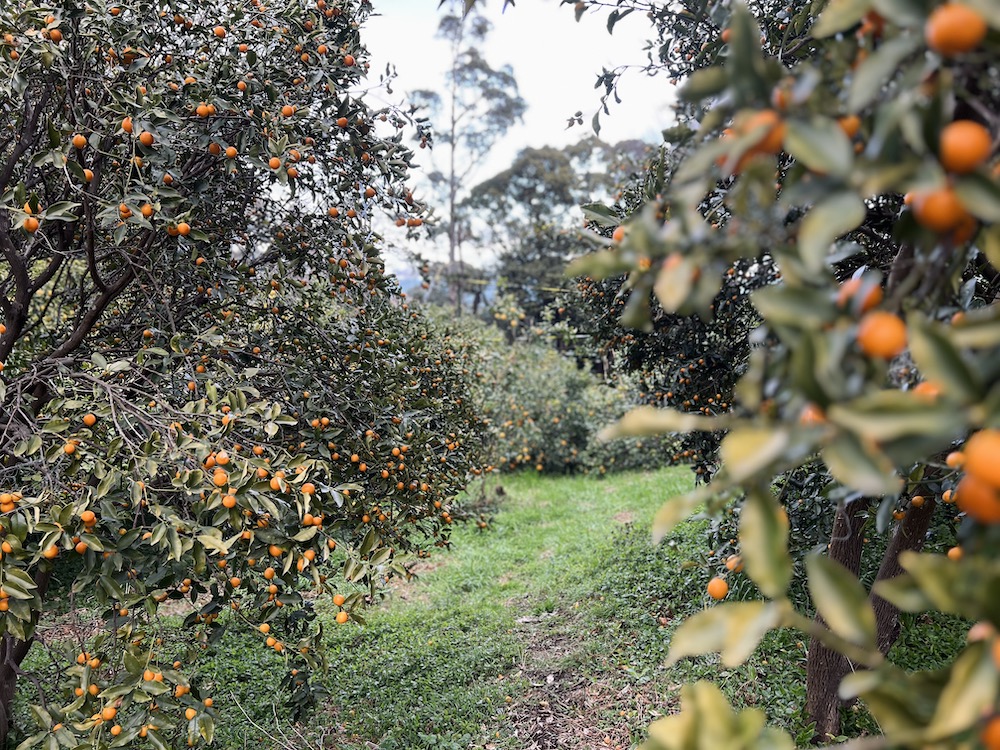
[211, 390]
[853, 149]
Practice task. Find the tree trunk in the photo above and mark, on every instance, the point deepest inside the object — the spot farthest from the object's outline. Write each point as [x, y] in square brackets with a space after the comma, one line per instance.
[911, 533]
[825, 668]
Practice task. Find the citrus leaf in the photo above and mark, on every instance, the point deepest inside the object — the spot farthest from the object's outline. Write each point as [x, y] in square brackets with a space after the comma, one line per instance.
[970, 693]
[840, 15]
[841, 600]
[833, 217]
[863, 468]
[648, 420]
[733, 630]
[940, 361]
[764, 541]
[821, 145]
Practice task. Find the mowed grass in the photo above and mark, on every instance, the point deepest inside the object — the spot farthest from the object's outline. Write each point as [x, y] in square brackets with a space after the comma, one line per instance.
[565, 587]
[438, 663]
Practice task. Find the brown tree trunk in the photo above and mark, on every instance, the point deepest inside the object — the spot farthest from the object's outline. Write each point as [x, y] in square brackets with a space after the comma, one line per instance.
[825, 668]
[910, 535]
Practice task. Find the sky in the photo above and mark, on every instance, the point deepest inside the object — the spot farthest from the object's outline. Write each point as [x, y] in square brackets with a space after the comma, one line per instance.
[555, 60]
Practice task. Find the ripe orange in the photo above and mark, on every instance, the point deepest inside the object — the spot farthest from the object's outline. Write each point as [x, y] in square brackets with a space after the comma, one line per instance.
[718, 588]
[342, 617]
[940, 210]
[108, 713]
[274, 162]
[231, 152]
[990, 734]
[982, 456]
[964, 145]
[339, 599]
[287, 111]
[127, 125]
[953, 28]
[31, 225]
[979, 499]
[850, 124]
[955, 460]
[88, 517]
[183, 229]
[146, 138]
[849, 289]
[214, 149]
[881, 334]
[308, 488]
[773, 134]
[219, 32]
[190, 713]
[348, 60]
[342, 122]
[955, 553]
[79, 141]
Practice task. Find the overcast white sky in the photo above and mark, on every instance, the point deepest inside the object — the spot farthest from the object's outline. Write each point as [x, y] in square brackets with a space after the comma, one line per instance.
[555, 60]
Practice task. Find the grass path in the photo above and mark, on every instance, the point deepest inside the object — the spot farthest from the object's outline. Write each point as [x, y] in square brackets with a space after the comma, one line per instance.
[505, 642]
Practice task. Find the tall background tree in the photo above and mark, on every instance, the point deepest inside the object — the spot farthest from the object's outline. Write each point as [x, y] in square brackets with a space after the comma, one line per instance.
[478, 106]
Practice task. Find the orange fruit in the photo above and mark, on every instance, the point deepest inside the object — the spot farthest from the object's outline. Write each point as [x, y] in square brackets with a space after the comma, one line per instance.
[219, 32]
[79, 141]
[308, 488]
[718, 588]
[726, 35]
[978, 499]
[190, 713]
[342, 617]
[774, 130]
[214, 149]
[339, 599]
[274, 162]
[955, 553]
[108, 713]
[127, 125]
[850, 288]
[146, 138]
[955, 460]
[928, 389]
[982, 456]
[990, 734]
[940, 210]
[231, 152]
[964, 145]
[31, 225]
[88, 517]
[348, 60]
[812, 415]
[953, 28]
[183, 229]
[881, 334]
[287, 111]
[850, 124]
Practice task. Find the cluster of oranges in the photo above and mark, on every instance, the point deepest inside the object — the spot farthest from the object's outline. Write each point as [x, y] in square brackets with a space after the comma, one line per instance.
[978, 493]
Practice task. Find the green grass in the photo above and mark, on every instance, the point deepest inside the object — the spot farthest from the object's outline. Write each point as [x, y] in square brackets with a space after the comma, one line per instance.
[565, 587]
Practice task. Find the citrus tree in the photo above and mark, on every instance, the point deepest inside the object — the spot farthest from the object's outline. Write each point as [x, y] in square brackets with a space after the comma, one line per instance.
[854, 150]
[211, 391]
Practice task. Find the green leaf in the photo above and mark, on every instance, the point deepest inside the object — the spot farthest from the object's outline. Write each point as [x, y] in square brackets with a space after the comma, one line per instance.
[970, 694]
[600, 214]
[646, 421]
[678, 508]
[764, 543]
[878, 69]
[891, 414]
[840, 15]
[794, 306]
[841, 600]
[704, 83]
[829, 219]
[821, 145]
[980, 195]
[940, 361]
[862, 467]
[733, 630]
[903, 593]
[747, 450]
